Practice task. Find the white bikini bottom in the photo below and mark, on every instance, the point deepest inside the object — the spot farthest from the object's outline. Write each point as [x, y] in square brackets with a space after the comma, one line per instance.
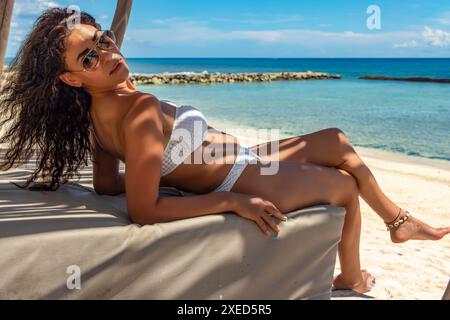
[244, 157]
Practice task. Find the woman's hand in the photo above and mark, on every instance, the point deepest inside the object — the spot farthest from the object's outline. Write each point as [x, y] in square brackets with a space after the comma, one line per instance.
[258, 210]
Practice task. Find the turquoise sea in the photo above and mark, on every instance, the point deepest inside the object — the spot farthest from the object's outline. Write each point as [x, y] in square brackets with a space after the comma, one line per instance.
[403, 117]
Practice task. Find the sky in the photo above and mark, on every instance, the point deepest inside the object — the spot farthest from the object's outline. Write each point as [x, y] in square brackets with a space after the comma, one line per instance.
[265, 28]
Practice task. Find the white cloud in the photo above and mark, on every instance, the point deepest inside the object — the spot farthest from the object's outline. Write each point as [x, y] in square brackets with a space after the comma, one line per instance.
[444, 19]
[181, 31]
[304, 35]
[24, 14]
[259, 21]
[32, 8]
[436, 37]
[252, 21]
[175, 35]
[407, 44]
[428, 38]
[261, 36]
[177, 22]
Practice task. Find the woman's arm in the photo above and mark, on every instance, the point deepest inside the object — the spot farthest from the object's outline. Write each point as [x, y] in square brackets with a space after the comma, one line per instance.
[176, 208]
[106, 177]
[115, 188]
[120, 188]
[144, 148]
[248, 206]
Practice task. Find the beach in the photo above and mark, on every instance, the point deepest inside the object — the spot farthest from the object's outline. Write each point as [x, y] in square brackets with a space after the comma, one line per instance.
[415, 269]
[380, 73]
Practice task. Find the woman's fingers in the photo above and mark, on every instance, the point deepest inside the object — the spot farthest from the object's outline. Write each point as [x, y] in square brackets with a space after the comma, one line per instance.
[274, 211]
[267, 218]
[262, 225]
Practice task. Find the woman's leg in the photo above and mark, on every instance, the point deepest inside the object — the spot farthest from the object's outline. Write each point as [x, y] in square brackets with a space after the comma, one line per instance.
[352, 277]
[330, 147]
[370, 191]
[299, 185]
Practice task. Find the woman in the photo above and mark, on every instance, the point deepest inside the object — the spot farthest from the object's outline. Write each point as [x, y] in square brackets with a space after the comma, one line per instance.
[71, 93]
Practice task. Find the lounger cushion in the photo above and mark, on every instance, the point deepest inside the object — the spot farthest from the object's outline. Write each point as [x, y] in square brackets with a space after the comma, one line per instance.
[47, 237]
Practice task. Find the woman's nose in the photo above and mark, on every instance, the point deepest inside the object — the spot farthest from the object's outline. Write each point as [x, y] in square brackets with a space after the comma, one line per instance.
[104, 55]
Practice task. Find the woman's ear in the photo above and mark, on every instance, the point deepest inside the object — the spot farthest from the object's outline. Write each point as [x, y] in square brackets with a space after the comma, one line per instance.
[68, 79]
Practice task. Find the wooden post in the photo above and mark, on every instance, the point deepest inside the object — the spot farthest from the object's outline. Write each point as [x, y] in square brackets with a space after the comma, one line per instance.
[446, 295]
[120, 21]
[6, 8]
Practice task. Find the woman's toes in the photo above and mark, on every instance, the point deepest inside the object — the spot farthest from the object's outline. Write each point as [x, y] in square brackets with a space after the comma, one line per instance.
[362, 285]
[442, 232]
[368, 283]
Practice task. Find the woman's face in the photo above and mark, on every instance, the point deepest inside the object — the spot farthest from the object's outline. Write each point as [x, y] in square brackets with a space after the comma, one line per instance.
[107, 75]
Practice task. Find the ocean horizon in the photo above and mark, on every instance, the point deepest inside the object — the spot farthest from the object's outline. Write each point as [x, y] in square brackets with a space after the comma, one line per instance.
[401, 117]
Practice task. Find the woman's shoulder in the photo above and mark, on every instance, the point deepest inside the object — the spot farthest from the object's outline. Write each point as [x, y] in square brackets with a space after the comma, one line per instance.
[141, 102]
[122, 106]
[127, 101]
[142, 98]
[142, 107]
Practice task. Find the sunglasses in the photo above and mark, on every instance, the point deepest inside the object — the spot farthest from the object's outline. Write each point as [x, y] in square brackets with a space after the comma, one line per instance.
[90, 61]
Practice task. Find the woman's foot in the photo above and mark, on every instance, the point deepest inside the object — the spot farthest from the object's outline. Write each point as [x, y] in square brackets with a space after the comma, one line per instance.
[364, 284]
[414, 229]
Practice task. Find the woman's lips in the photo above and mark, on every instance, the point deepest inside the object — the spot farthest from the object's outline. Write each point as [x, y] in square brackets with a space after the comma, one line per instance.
[116, 67]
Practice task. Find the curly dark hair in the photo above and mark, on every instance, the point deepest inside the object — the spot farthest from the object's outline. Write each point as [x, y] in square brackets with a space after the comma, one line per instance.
[48, 116]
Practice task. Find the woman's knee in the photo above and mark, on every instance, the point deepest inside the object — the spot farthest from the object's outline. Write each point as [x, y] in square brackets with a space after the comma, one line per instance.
[337, 134]
[343, 143]
[347, 187]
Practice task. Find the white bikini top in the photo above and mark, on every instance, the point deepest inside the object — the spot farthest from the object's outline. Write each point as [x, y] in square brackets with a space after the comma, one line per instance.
[190, 129]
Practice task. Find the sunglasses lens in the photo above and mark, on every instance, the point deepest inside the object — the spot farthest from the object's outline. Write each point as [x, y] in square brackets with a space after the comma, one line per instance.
[110, 34]
[90, 61]
[106, 41]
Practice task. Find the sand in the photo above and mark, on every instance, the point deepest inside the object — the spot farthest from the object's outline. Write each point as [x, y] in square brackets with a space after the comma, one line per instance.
[416, 269]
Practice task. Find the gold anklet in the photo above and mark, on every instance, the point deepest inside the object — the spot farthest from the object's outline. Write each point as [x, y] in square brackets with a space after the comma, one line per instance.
[398, 223]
